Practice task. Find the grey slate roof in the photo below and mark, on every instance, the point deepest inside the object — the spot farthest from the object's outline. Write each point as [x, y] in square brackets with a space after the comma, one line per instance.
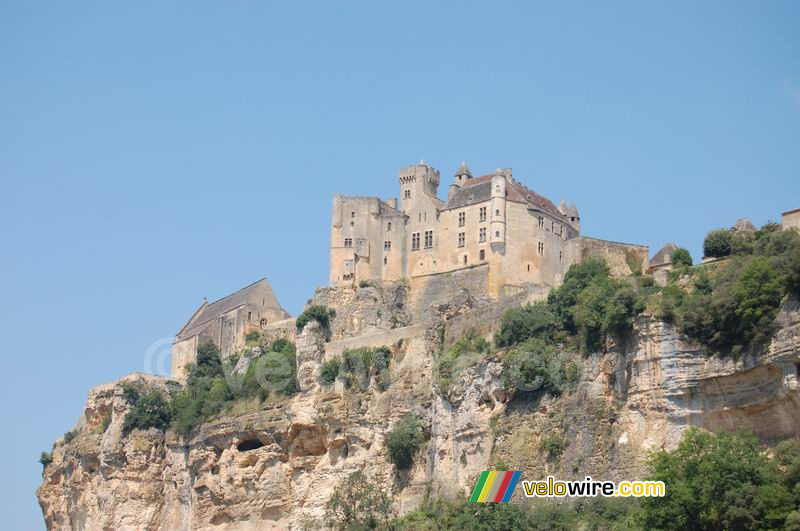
[253, 294]
[663, 256]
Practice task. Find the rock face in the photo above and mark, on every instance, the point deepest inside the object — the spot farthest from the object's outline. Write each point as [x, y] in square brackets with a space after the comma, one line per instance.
[276, 466]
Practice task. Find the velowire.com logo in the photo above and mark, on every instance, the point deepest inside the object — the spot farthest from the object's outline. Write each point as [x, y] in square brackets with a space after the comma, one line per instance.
[494, 486]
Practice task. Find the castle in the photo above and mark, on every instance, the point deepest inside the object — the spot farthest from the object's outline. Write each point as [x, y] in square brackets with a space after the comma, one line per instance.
[493, 221]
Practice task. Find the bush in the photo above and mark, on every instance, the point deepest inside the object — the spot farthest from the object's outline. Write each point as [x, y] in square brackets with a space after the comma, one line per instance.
[70, 436]
[718, 243]
[467, 351]
[553, 445]
[681, 257]
[717, 482]
[45, 458]
[403, 442]
[606, 306]
[329, 371]
[358, 504]
[208, 391]
[520, 324]
[579, 276]
[253, 336]
[535, 369]
[317, 313]
[736, 309]
[151, 410]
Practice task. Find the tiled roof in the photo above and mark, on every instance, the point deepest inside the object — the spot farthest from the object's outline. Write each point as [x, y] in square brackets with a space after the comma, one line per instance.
[479, 189]
[663, 256]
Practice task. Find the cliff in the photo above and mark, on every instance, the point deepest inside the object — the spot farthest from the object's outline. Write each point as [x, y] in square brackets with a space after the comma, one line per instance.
[275, 464]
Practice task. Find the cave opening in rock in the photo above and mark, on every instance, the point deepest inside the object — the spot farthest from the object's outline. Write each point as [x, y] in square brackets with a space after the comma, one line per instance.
[249, 444]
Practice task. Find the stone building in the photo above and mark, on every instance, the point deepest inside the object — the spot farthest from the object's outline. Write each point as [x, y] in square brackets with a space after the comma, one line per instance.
[226, 322]
[493, 222]
[791, 219]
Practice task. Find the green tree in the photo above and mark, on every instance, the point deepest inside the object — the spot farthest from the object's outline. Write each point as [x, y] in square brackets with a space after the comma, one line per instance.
[578, 278]
[681, 257]
[151, 410]
[718, 243]
[531, 320]
[716, 482]
[358, 504]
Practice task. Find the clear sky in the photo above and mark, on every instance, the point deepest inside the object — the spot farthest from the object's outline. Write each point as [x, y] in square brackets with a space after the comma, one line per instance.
[156, 152]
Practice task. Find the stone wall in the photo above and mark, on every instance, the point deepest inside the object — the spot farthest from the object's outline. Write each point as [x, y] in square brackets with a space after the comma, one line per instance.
[441, 288]
[616, 254]
[381, 339]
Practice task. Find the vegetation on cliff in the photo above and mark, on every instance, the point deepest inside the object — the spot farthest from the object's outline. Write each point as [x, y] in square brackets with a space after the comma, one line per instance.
[404, 441]
[359, 366]
[723, 481]
[730, 305]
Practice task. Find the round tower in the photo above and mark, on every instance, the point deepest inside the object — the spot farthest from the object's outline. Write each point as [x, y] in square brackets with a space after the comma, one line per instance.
[498, 211]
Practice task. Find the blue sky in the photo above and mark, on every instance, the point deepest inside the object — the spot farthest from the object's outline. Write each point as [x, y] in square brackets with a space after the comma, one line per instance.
[156, 152]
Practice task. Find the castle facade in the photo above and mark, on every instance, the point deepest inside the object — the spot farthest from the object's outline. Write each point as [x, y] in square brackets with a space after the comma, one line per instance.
[493, 221]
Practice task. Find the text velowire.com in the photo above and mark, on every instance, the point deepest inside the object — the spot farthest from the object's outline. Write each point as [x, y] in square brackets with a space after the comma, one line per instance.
[553, 488]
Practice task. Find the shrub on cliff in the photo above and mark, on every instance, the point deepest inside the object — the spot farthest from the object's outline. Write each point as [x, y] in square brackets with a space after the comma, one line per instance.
[535, 369]
[45, 458]
[358, 504]
[579, 276]
[718, 243]
[466, 352]
[318, 313]
[329, 371]
[531, 320]
[404, 441]
[151, 410]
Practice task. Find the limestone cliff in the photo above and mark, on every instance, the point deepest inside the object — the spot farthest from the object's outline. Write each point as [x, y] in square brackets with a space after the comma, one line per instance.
[274, 465]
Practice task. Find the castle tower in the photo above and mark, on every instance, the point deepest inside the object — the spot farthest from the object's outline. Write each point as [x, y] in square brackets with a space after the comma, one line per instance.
[498, 212]
[416, 181]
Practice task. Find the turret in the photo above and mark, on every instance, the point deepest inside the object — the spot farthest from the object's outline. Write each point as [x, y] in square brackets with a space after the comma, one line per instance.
[498, 211]
[461, 176]
[415, 181]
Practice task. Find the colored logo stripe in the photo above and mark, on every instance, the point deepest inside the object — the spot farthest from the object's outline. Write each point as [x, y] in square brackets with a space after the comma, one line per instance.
[487, 486]
[481, 481]
[495, 486]
[511, 486]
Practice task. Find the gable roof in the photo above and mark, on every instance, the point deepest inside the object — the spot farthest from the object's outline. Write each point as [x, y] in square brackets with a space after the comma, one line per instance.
[663, 256]
[255, 293]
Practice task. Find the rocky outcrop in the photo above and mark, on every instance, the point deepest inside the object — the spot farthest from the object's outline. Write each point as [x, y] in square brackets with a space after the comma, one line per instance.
[276, 465]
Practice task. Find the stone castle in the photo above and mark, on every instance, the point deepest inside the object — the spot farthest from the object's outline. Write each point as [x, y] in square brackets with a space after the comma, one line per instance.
[494, 222]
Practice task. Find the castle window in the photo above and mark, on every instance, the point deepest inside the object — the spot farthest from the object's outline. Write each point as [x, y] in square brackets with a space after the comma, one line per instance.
[461, 239]
[428, 239]
[407, 194]
[541, 248]
[482, 234]
[560, 256]
[497, 213]
[462, 218]
[389, 226]
[465, 259]
[415, 241]
[541, 222]
[529, 267]
[497, 234]
[352, 214]
[385, 261]
[483, 254]
[249, 316]
[482, 214]
[387, 246]
[348, 242]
